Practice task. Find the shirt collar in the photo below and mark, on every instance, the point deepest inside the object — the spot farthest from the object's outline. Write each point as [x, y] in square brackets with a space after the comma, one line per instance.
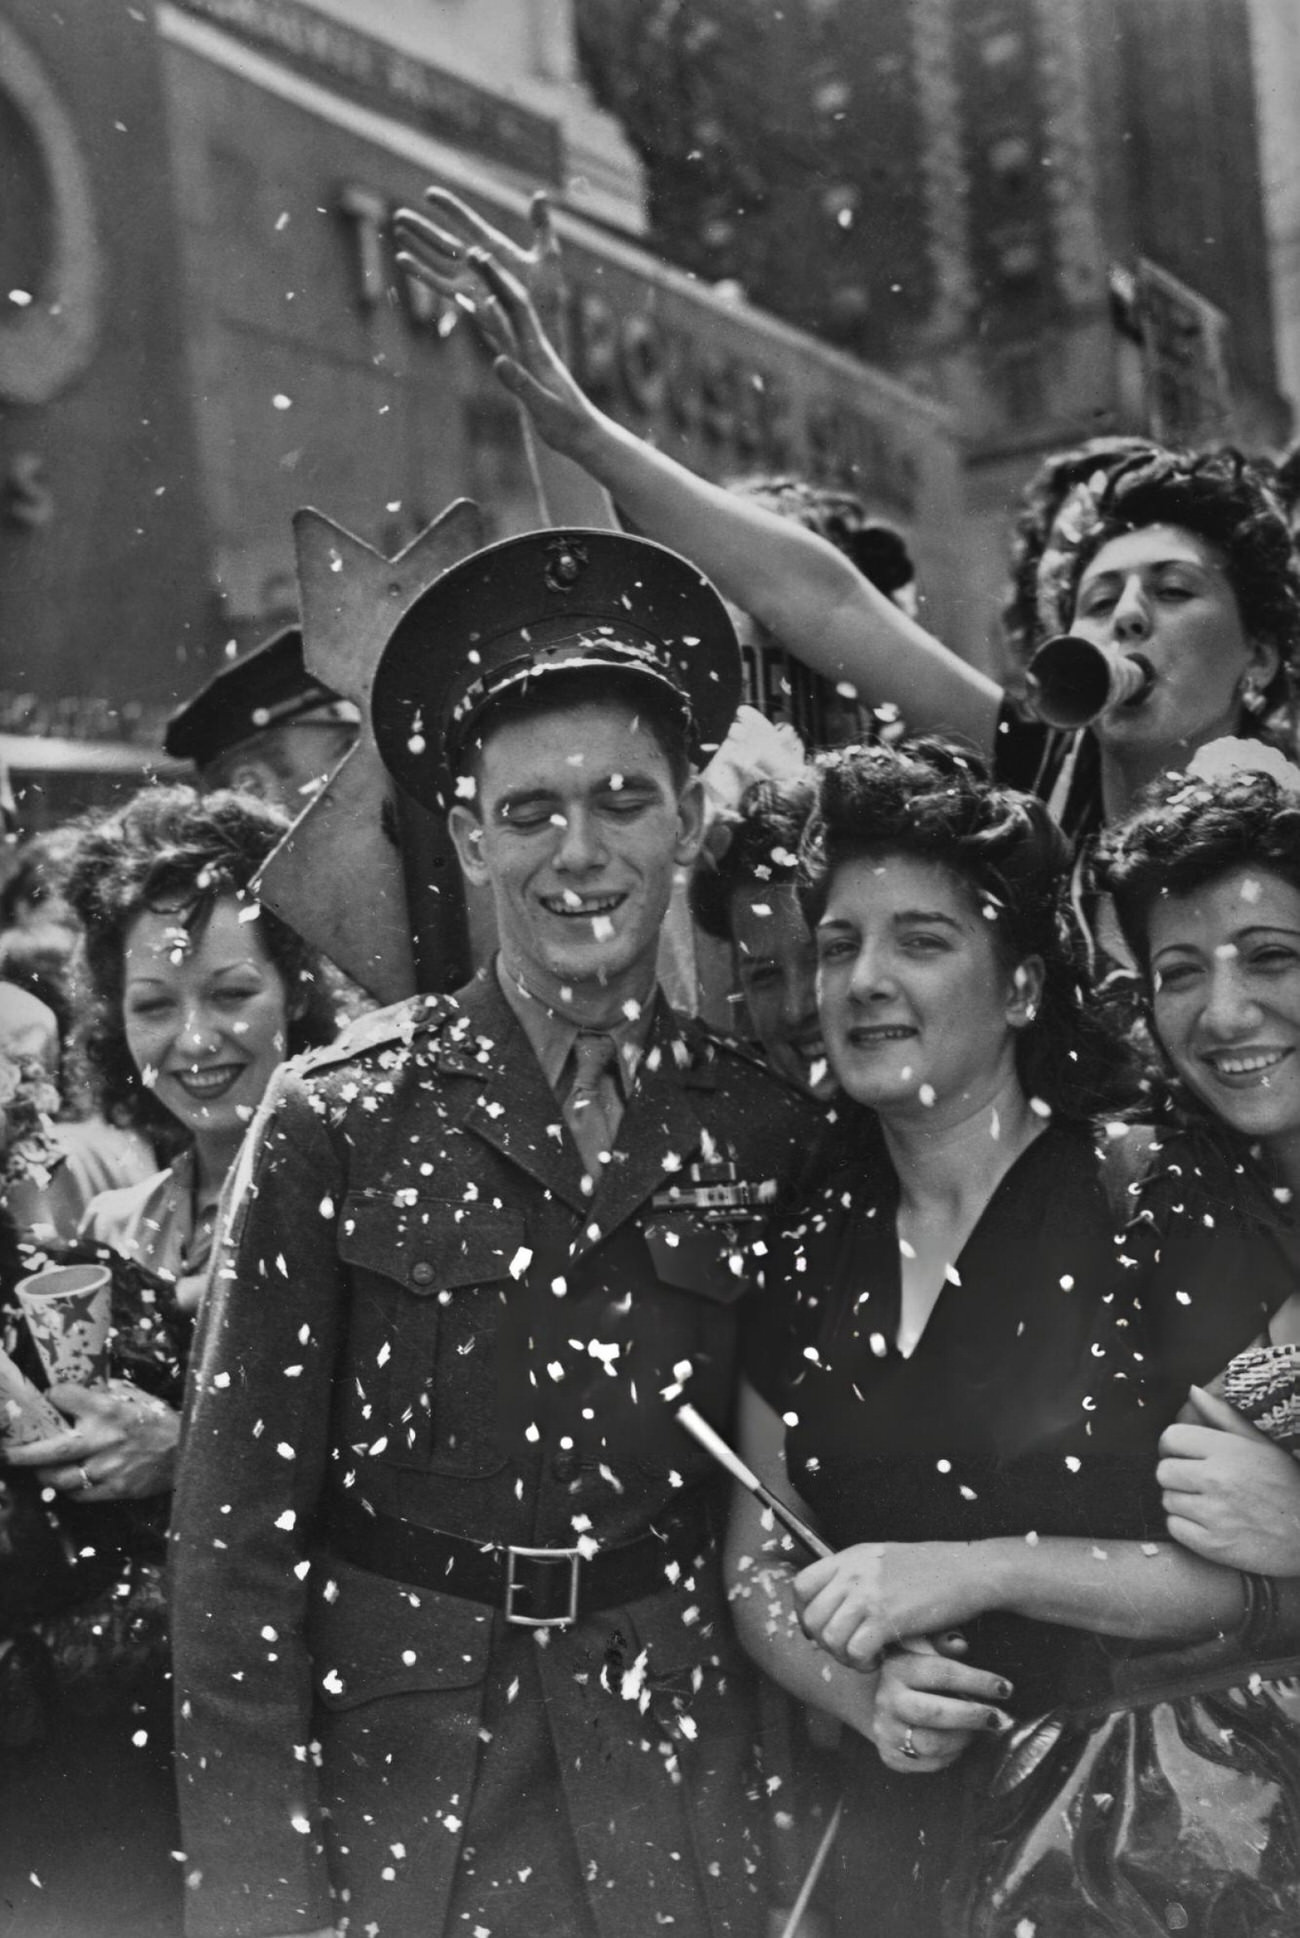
[552, 1034]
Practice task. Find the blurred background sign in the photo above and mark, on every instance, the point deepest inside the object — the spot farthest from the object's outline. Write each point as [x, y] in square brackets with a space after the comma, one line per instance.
[871, 244]
[104, 587]
[1184, 342]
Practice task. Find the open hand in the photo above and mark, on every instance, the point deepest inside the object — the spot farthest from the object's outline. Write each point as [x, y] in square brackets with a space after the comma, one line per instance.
[121, 1444]
[489, 279]
[437, 252]
[1231, 1494]
[930, 1707]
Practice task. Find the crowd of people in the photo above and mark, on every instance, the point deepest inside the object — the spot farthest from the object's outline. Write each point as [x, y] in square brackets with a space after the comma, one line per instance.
[382, 1588]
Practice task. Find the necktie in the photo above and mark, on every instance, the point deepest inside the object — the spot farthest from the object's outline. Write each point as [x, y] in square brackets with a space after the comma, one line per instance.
[594, 1108]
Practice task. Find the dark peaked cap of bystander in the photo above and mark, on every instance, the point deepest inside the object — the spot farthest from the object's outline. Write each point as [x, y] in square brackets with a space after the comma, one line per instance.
[550, 601]
[268, 687]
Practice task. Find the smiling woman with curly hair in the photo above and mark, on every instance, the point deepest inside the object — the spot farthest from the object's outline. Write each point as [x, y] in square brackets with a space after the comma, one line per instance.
[1205, 876]
[195, 995]
[174, 853]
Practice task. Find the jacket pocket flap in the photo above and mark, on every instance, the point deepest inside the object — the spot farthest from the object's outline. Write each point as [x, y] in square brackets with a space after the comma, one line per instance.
[370, 1636]
[697, 1258]
[685, 1629]
[431, 1243]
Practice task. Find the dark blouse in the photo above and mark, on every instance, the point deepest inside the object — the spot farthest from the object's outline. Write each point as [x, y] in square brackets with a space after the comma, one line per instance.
[1063, 769]
[1062, 1346]
[1080, 1309]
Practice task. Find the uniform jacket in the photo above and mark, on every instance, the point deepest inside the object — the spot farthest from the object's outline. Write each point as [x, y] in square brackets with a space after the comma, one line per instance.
[417, 1303]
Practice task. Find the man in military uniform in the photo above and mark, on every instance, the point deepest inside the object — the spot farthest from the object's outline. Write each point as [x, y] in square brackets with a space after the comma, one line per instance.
[452, 1649]
[264, 725]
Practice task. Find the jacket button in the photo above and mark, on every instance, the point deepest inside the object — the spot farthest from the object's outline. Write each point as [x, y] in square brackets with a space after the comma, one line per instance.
[422, 1272]
[566, 1465]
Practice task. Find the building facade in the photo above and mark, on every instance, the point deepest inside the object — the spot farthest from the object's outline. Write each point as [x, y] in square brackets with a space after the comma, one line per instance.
[1276, 36]
[251, 346]
[1048, 214]
[1099, 239]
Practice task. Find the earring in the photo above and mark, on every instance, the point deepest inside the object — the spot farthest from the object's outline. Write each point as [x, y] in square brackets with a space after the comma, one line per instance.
[1252, 695]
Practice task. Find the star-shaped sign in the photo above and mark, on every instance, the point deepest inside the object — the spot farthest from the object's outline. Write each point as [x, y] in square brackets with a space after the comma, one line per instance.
[338, 877]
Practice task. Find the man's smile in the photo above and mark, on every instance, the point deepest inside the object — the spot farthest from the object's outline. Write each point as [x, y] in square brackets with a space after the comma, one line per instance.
[577, 906]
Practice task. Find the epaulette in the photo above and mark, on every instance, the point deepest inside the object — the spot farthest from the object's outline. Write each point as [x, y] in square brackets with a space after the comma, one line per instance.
[713, 1041]
[707, 1044]
[389, 1028]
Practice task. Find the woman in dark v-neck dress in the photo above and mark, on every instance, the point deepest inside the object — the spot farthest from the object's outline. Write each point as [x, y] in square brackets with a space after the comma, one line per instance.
[948, 1371]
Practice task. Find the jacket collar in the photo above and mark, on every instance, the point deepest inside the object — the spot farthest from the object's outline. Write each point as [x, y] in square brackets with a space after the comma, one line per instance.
[553, 1035]
[514, 1109]
[510, 1105]
[661, 1132]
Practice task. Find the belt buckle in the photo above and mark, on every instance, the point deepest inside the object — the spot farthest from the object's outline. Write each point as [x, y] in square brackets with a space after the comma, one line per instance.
[513, 1585]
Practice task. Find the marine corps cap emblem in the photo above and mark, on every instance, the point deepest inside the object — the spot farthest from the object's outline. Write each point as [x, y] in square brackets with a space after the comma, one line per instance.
[566, 562]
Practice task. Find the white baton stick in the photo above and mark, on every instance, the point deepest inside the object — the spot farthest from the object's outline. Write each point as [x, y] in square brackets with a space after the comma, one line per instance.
[726, 1456]
[790, 1929]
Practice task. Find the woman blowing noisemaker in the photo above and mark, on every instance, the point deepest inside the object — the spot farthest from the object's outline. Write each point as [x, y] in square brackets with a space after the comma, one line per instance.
[1205, 877]
[1181, 562]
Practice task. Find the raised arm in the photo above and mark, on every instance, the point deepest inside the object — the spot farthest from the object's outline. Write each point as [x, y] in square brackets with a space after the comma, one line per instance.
[804, 591]
[436, 253]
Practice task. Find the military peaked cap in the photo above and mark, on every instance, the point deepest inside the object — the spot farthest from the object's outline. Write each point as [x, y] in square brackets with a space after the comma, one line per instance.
[266, 688]
[549, 602]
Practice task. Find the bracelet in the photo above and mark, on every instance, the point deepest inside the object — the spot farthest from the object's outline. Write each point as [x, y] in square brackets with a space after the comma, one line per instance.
[1259, 1610]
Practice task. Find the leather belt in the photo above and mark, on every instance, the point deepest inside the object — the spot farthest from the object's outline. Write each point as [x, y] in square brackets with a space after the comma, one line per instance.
[532, 1587]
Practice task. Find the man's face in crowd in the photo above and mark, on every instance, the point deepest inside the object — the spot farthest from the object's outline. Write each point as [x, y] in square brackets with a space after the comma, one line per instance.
[776, 967]
[578, 826]
[287, 766]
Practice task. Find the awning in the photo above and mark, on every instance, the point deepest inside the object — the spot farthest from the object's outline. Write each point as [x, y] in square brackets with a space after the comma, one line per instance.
[45, 754]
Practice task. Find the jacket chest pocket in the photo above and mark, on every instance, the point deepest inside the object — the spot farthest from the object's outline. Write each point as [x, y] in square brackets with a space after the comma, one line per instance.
[430, 1283]
[696, 1255]
[699, 1292]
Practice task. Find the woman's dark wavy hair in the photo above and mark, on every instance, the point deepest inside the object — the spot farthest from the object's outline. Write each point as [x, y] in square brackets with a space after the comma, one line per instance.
[877, 548]
[1286, 478]
[1041, 502]
[1224, 500]
[931, 799]
[763, 850]
[1187, 832]
[170, 850]
[40, 865]
[1184, 834]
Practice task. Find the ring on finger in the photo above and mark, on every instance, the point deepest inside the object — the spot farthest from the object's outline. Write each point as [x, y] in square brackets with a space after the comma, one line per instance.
[908, 1747]
[86, 1481]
